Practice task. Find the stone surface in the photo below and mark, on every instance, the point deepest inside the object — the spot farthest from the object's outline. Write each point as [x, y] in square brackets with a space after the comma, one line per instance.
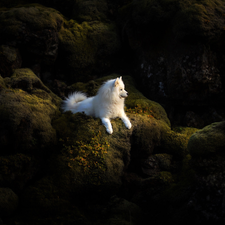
[8, 202]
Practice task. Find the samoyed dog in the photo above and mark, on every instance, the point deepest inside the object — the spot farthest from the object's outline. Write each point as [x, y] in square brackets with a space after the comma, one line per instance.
[106, 105]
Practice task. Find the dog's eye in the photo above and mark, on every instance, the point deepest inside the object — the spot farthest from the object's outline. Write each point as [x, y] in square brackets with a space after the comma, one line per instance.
[121, 89]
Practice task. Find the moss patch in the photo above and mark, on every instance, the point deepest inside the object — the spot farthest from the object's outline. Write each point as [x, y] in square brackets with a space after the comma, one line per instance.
[26, 115]
[35, 16]
[175, 141]
[208, 140]
[86, 44]
[2, 83]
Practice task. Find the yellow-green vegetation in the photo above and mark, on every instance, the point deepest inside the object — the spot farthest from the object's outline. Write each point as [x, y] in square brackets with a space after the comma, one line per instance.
[140, 110]
[166, 177]
[175, 141]
[25, 79]
[89, 156]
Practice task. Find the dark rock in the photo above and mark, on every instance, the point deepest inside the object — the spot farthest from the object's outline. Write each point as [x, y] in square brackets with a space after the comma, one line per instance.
[10, 59]
[207, 149]
[36, 39]
[208, 140]
[177, 62]
[17, 170]
[8, 201]
[26, 113]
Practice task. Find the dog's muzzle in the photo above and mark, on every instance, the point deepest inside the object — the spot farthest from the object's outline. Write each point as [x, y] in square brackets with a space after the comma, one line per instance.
[124, 96]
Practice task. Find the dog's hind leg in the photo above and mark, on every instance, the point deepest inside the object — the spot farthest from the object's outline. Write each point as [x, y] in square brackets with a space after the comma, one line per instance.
[126, 121]
[106, 122]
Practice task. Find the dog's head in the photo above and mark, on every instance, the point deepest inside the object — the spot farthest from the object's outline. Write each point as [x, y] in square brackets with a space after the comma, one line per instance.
[119, 85]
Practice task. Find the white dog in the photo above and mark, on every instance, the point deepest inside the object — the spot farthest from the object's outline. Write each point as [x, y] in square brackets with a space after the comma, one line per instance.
[107, 104]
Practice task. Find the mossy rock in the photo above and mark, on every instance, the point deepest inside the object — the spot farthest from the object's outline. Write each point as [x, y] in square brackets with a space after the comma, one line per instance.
[10, 59]
[175, 141]
[86, 10]
[2, 83]
[26, 80]
[16, 170]
[209, 140]
[86, 46]
[91, 163]
[26, 115]
[96, 159]
[34, 16]
[123, 212]
[189, 20]
[8, 202]
[88, 154]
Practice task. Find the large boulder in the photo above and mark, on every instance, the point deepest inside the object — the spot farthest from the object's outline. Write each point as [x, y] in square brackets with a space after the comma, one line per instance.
[91, 163]
[87, 48]
[26, 108]
[72, 49]
[36, 39]
[209, 140]
[10, 59]
[207, 147]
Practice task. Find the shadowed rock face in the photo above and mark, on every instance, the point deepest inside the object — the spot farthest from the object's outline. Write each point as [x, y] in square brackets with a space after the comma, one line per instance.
[72, 50]
[26, 111]
[179, 59]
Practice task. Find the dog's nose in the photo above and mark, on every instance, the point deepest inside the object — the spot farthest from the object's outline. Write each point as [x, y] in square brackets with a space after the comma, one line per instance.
[127, 93]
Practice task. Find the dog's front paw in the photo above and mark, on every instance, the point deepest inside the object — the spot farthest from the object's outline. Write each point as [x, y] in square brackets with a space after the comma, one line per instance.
[110, 131]
[128, 125]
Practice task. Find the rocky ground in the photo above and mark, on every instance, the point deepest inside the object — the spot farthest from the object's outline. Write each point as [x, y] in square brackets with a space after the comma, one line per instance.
[63, 168]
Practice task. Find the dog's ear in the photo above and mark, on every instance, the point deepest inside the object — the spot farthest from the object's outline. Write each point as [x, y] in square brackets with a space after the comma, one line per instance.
[116, 82]
[121, 78]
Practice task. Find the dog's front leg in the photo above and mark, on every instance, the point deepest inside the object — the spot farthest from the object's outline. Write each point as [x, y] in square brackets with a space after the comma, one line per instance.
[106, 122]
[126, 121]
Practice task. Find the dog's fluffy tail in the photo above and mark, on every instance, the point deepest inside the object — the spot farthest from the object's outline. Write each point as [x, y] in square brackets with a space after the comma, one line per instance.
[70, 102]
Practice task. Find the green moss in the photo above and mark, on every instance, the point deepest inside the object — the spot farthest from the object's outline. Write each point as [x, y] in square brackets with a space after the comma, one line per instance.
[84, 44]
[35, 16]
[2, 83]
[26, 80]
[166, 177]
[176, 142]
[26, 115]
[208, 140]
[87, 157]
[86, 150]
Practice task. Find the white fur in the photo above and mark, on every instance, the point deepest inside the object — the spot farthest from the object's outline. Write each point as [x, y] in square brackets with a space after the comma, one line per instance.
[107, 104]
